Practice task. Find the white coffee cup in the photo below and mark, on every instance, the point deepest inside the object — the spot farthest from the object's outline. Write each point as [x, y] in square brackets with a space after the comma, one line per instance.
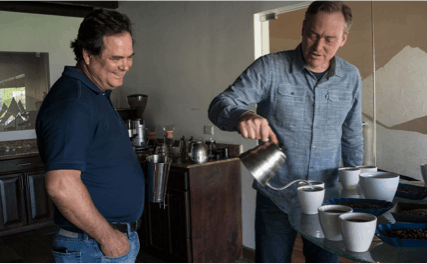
[349, 177]
[329, 221]
[379, 185]
[313, 183]
[424, 173]
[367, 168]
[310, 199]
[358, 230]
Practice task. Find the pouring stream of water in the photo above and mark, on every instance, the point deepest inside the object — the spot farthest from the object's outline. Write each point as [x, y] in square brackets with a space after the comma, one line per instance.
[289, 184]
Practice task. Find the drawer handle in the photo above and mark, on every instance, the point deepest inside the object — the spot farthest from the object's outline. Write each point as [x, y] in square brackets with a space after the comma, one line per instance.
[23, 164]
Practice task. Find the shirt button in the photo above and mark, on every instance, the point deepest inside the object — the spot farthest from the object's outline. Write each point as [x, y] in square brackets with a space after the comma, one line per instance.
[312, 168]
[317, 106]
[315, 127]
[103, 93]
[314, 147]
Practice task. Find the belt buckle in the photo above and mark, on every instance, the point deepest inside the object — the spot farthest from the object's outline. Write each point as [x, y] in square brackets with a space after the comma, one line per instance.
[67, 233]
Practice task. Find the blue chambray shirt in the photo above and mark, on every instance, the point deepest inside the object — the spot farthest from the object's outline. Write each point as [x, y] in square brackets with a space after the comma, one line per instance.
[319, 123]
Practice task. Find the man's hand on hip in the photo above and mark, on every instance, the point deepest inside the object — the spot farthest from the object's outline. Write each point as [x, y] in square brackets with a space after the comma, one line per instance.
[254, 126]
[117, 246]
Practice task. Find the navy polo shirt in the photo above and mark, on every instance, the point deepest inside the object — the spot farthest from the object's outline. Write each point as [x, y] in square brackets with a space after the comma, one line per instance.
[78, 128]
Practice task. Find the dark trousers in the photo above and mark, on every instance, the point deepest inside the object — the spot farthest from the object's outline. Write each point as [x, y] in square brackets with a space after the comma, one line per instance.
[275, 237]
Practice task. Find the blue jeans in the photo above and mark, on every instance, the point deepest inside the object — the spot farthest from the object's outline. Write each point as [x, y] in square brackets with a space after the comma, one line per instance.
[70, 247]
[275, 237]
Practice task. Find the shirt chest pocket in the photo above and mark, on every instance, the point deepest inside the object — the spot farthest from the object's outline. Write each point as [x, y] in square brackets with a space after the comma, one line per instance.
[290, 104]
[339, 103]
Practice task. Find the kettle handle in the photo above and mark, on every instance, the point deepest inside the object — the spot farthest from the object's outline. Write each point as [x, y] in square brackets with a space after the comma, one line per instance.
[190, 148]
[286, 186]
[268, 141]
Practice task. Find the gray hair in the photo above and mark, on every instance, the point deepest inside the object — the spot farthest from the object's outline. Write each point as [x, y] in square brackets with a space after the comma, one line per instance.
[330, 7]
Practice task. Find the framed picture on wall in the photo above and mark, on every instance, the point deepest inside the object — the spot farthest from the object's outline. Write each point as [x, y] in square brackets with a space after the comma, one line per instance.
[24, 81]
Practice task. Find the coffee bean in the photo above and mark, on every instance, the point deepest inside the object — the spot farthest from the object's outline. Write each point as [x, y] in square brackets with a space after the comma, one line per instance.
[362, 205]
[411, 190]
[408, 233]
[417, 212]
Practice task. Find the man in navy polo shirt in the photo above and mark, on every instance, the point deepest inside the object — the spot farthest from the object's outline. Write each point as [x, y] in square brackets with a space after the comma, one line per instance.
[92, 173]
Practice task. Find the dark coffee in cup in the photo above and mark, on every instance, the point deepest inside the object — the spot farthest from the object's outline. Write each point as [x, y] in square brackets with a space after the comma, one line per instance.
[335, 211]
[357, 220]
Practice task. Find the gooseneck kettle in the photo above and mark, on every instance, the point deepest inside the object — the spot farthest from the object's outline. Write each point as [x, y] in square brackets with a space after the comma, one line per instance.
[264, 161]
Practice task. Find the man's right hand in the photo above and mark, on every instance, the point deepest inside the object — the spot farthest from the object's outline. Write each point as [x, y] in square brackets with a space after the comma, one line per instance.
[118, 245]
[254, 126]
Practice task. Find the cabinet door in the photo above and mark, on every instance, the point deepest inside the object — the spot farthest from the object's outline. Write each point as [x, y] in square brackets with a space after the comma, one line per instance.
[179, 225]
[12, 203]
[166, 233]
[158, 226]
[39, 205]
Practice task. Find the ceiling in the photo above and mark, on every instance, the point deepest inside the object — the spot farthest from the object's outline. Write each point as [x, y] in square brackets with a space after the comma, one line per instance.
[62, 8]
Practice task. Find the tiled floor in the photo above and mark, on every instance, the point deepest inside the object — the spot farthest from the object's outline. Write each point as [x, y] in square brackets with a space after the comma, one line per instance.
[35, 247]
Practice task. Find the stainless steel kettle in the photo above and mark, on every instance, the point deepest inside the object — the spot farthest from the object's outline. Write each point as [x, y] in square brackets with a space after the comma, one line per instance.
[198, 151]
[263, 162]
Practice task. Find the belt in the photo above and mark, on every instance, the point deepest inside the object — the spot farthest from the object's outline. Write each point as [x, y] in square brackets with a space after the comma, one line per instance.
[122, 227]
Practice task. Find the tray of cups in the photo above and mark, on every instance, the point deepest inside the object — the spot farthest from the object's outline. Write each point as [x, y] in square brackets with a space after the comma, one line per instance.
[411, 192]
[403, 235]
[410, 212]
[370, 206]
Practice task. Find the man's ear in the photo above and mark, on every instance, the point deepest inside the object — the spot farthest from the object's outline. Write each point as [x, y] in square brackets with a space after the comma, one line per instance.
[344, 38]
[86, 56]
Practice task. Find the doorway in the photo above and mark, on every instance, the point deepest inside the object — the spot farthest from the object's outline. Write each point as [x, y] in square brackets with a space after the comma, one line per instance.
[262, 25]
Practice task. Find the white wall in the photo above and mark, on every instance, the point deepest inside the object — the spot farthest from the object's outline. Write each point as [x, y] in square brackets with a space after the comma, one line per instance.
[40, 33]
[186, 53]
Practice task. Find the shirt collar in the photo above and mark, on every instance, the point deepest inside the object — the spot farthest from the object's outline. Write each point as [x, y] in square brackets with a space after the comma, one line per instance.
[298, 63]
[74, 73]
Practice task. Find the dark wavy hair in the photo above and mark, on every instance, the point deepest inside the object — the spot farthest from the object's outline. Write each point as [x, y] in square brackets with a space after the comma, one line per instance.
[99, 23]
[330, 7]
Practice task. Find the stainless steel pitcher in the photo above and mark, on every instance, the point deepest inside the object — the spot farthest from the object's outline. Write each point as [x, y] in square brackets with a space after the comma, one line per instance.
[158, 167]
[198, 151]
[263, 162]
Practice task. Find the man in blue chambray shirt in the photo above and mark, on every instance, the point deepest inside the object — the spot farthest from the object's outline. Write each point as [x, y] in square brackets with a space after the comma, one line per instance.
[309, 101]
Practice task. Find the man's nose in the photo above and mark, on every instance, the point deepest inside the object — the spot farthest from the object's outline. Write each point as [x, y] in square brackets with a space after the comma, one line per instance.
[125, 65]
[318, 45]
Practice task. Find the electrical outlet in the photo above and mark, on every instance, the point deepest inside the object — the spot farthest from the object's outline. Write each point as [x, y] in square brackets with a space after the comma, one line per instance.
[209, 130]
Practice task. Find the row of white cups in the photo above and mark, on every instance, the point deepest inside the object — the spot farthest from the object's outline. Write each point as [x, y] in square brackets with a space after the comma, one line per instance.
[339, 222]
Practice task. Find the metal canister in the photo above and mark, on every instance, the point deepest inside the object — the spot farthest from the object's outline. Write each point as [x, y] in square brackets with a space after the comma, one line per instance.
[211, 146]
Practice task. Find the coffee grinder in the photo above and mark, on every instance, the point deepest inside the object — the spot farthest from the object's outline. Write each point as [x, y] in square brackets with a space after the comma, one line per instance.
[136, 123]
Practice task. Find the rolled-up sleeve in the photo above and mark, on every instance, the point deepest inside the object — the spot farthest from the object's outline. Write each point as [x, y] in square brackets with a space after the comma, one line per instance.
[352, 130]
[249, 88]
